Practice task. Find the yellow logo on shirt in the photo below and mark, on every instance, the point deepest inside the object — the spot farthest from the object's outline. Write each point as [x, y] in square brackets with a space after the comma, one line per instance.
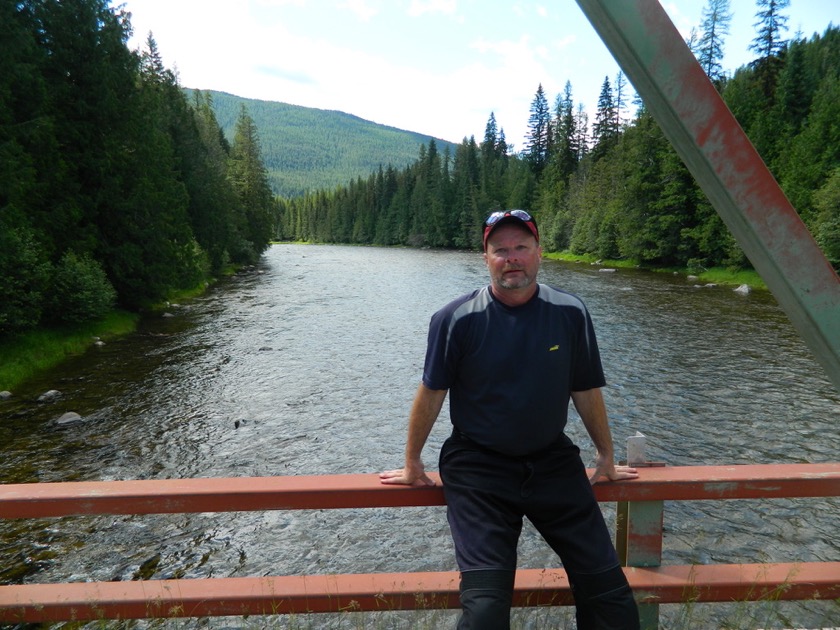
[553, 348]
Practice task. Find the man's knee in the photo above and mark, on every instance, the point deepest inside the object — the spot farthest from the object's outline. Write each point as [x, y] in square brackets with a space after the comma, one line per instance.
[486, 597]
[604, 601]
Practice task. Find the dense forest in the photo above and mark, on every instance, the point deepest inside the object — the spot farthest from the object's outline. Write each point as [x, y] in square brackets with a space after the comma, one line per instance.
[114, 188]
[118, 186]
[307, 149]
[614, 188]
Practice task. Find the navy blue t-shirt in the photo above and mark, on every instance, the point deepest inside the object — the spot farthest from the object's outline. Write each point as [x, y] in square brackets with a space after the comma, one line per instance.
[510, 371]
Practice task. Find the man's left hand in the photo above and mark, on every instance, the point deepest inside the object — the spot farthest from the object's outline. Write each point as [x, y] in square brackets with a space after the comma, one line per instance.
[605, 469]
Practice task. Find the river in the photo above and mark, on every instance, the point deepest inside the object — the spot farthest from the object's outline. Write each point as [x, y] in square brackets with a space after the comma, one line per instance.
[307, 364]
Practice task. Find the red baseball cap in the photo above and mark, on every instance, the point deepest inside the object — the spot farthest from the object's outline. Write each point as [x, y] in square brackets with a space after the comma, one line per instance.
[510, 216]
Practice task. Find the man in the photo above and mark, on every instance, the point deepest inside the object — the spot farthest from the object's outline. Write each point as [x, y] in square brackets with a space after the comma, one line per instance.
[511, 356]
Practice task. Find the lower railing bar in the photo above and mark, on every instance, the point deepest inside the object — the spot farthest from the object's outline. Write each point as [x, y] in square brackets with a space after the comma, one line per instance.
[395, 591]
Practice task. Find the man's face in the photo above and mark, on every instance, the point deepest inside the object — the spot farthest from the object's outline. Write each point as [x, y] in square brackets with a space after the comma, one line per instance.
[513, 259]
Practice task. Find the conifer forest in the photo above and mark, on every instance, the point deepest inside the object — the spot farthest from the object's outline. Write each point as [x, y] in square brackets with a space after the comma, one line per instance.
[118, 186]
[613, 187]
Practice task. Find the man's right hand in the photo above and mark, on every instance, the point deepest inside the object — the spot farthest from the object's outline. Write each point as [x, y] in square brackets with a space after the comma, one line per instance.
[414, 474]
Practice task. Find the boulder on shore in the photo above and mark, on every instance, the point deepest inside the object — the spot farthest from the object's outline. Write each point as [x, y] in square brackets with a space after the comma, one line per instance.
[49, 396]
[5, 395]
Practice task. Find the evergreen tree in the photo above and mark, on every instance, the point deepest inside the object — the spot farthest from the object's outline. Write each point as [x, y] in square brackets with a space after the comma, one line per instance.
[466, 188]
[604, 130]
[827, 220]
[24, 274]
[250, 181]
[490, 161]
[538, 141]
[769, 44]
[813, 155]
[715, 25]
[502, 147]
[566, 150]
[797, 84]
[29, 170]
[491, 137]
[90, 78]
[620, 99]
[582, 132]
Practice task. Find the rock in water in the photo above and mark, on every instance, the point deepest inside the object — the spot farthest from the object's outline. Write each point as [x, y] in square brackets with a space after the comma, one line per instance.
[71, 417]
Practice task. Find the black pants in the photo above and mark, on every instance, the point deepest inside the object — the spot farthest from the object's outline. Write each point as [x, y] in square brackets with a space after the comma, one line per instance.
[487, 496]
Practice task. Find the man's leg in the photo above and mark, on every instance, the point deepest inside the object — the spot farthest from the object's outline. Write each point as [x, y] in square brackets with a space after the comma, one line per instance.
[481, 492]
[571, 522]
[604, 601]
[485, 599]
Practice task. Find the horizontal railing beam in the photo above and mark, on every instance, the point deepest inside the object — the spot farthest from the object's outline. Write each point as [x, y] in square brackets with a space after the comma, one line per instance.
[85, 601]
[168, 496]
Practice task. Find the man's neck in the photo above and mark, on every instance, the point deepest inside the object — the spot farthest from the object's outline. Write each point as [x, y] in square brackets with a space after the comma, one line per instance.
[514, 297]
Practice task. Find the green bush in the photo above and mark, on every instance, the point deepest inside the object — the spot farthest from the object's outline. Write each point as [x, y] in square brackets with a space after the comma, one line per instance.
[80, 291]
[827, 225]
[23, 274]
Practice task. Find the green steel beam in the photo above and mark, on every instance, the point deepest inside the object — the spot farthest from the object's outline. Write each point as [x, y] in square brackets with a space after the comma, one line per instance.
[727, 167]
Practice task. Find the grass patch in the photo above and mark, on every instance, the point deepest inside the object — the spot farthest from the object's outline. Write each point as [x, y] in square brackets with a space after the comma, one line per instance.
[713, 275]
[719, 275]
[591, 258]
[38, 350]
[29, 353]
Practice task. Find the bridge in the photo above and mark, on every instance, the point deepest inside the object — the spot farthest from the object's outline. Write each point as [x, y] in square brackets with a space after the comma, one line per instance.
[639, 539]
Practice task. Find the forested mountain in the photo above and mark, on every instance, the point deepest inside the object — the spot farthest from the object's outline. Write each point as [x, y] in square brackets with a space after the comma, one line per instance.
[113, 187]
[307, 149]
[117, 186]
[615, 189]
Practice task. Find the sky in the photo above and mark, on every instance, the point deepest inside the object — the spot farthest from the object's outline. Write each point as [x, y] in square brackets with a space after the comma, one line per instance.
[436, 67]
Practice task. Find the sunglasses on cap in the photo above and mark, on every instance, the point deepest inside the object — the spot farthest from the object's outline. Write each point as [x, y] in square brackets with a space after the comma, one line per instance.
[520, 215]
[494, 218]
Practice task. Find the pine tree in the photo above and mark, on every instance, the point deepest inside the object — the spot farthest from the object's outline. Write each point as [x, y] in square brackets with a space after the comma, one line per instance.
[491, 137]
[538, 140]
[250, 180]
[566, 150]
[203, 157]
[827, 220]
[620, 99]
[769, 44]
[466, 185]
[492, 164]
[716, 21]
[604, 130]
[582, 132]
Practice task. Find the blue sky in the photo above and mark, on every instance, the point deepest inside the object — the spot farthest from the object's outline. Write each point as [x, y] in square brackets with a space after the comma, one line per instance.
[437, 67]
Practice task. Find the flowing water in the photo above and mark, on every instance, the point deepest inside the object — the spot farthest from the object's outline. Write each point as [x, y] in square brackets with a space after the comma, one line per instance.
[307, 364]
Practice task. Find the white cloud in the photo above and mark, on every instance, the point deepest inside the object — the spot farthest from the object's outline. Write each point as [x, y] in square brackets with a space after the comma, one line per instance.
[282, 3]
[431, 7]
[360, 8]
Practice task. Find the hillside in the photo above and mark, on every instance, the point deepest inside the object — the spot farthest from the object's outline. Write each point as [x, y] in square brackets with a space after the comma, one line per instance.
[307, 149]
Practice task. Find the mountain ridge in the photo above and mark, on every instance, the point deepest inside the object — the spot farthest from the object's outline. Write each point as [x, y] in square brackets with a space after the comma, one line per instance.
[306, 149]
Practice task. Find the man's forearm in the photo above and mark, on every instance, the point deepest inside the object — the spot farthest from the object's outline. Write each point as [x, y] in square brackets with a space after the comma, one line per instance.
[593, 412]
[424, 411]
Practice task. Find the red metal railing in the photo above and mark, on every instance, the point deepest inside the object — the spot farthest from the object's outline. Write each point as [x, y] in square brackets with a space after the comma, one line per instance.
[639, 539]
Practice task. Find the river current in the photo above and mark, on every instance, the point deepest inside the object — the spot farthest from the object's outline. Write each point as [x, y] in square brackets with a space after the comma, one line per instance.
[307, 364]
